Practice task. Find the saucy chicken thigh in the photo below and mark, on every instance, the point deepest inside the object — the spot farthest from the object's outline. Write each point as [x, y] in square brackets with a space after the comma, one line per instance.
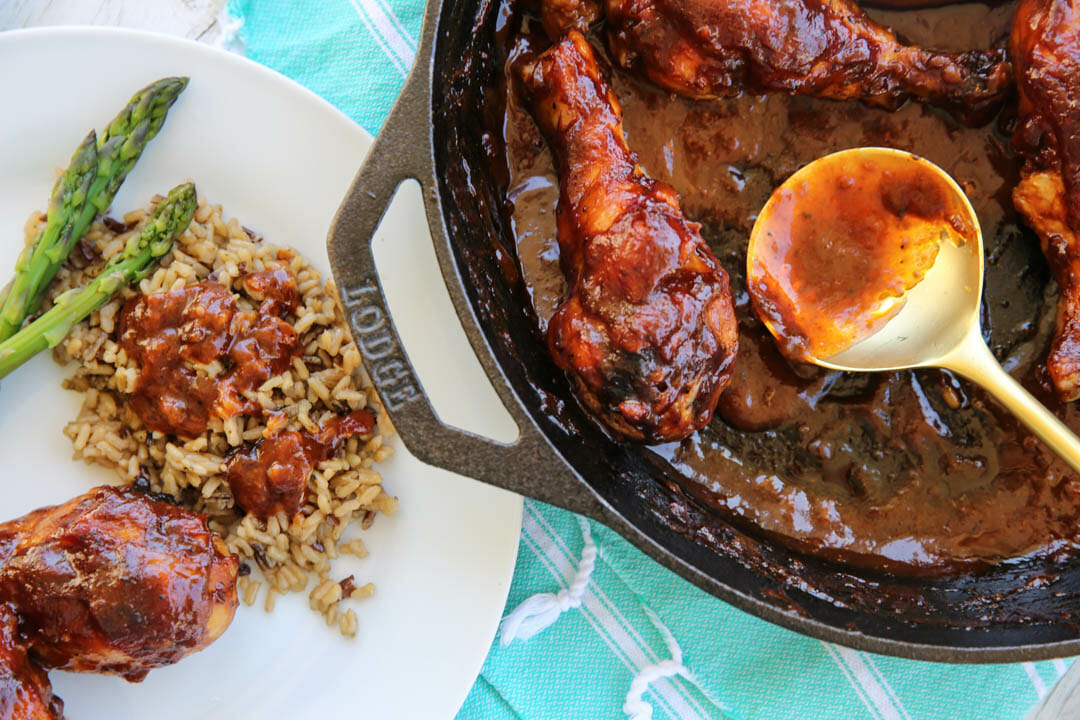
[1045, 47]
[114, 581]
[648, 331]
[821, 48]
[25, 690]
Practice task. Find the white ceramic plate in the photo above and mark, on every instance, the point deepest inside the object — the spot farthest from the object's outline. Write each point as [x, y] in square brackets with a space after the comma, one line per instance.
[279, 159]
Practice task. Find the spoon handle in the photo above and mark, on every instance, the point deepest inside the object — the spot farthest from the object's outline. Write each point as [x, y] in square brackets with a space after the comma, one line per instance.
[973, 359]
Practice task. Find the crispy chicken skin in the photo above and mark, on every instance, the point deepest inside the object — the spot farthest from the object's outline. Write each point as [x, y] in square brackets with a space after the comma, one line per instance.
[25, 691]
[114, 581]
[648, 331]
[821, 48]
[1045, 47]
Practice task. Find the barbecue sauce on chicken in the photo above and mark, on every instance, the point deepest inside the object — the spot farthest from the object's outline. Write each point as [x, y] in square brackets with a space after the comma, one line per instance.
[115, 581]
[914, 472]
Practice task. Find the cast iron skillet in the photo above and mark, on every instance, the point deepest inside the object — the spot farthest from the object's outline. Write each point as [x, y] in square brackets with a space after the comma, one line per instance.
[1022, 610]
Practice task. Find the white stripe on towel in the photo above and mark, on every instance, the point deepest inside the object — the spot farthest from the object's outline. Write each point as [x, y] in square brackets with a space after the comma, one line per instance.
[885, 683]
[382, 27]
[862, 674]
[635, 706]
[374, 33]
[540, 611]
[1036, 681]
[831, 650]
[611, 616]
[664, 684]
[541, 555]
[398, 24]
[607, 628]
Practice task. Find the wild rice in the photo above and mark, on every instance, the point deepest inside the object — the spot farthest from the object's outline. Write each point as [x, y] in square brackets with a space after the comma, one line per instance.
[289, 554]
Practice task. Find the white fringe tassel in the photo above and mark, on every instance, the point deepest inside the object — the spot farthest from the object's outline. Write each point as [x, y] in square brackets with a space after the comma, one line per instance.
[543, 609]
[635, 706]
[229, 39]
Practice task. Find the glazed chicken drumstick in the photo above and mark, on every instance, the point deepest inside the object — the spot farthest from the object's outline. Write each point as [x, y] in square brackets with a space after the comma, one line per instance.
[1045, 46]
[821, 48]
[25, 690]
[114, 581]
[647, 332]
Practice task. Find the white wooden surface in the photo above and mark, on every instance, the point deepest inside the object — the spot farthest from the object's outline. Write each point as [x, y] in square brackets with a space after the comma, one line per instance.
[194, 19]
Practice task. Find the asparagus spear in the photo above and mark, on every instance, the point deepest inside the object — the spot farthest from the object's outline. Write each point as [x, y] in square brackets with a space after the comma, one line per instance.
[117, 150]
[168, 221]
[67, 199]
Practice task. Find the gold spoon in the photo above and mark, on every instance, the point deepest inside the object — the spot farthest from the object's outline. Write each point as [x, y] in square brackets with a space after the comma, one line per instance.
[935, 323]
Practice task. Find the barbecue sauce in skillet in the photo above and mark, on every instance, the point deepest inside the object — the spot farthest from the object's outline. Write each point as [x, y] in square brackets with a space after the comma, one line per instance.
[915, 472]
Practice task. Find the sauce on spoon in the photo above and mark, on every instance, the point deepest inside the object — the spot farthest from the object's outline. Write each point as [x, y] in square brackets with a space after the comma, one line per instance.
[841, 242]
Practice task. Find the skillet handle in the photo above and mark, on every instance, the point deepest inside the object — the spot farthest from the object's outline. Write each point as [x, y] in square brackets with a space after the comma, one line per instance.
[528, 466]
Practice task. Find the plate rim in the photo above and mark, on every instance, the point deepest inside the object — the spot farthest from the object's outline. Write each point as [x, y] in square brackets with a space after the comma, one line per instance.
[282, 83]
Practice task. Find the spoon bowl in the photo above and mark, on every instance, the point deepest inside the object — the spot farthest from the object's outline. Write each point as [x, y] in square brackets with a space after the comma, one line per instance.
[939, 313]
[939, 322]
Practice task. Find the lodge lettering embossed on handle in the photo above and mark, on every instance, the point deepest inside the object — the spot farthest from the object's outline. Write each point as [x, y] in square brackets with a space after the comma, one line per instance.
[390, 370]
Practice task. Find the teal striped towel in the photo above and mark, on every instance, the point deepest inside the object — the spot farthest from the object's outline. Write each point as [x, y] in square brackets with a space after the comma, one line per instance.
[639, 631]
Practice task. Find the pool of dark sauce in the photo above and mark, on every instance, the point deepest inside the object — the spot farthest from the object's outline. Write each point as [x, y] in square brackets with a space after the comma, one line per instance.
[912, 472]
